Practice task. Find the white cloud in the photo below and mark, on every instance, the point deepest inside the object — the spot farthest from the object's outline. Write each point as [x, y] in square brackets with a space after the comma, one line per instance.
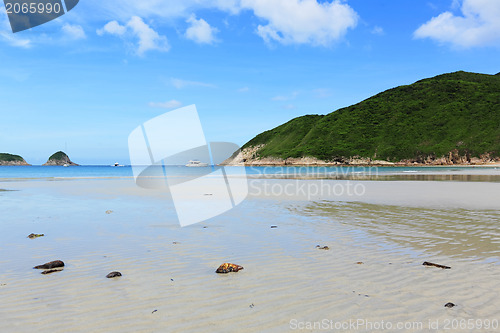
[179, 83]
[302, 21]
[13, 40]
[478, 25]
[287, 21]
[165, 9]
[147, 38]
[244, 90]
[455, 4]
[73, 31]
[378, 30]
[281, 98]
[172, 104]
[200, 31]
[68, 32]
[322, 93]
[7, 35]
[112, 28]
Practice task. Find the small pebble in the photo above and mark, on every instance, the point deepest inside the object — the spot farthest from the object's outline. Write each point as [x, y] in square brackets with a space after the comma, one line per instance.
[251, 306]
[360, 263]
[274, 226]
[33, 236]
[113, 275]
[109, 212]
[154, 311]
[322, 247]
[227, 267]
[449, 305]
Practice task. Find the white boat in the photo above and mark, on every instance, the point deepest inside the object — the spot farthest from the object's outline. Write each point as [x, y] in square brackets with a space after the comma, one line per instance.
[196, 163]
[65, 165]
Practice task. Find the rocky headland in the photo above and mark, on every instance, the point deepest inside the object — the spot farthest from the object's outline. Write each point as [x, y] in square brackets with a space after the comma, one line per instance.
[10, 159]
[59, 159]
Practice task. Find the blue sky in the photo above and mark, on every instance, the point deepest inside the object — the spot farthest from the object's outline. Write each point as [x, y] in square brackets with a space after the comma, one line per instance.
[83, 82]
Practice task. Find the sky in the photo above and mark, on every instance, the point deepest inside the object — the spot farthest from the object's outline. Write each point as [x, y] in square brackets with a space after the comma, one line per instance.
[83, 82]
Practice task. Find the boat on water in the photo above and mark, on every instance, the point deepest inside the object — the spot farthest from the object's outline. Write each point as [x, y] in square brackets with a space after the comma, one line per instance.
[196, 163]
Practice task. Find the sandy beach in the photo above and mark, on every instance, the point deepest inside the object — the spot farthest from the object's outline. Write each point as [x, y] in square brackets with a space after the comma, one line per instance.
[370, 279]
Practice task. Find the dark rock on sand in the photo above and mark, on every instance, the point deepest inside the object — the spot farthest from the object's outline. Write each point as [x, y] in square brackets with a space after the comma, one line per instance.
[50, 265]
[33, 236]
[113, 275]
[449, 305]
[227, 267]
[274, 226]
[426, 263]
[322, 247]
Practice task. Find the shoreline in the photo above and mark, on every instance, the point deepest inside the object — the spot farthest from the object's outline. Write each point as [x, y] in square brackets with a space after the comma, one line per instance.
[312, 172]
[367, 164]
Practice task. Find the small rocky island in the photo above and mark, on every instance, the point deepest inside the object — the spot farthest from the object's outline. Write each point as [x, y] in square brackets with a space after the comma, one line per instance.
[9, 159]
[59, 159]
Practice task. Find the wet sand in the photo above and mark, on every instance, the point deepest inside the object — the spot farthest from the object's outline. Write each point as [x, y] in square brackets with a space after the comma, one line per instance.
[287, 283]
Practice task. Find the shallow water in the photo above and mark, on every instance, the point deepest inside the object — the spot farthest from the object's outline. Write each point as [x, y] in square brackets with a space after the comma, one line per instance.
[460, 233]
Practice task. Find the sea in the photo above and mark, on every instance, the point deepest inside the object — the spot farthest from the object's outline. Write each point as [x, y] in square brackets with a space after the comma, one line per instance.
[456, 173]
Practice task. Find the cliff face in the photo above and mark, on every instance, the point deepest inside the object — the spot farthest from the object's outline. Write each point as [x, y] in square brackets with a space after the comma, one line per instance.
[59, 159]
[9, 159]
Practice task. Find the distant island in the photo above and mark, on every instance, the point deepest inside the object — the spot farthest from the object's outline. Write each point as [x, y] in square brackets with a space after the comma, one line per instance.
[59, 159]
[445, 120]
[10, 159]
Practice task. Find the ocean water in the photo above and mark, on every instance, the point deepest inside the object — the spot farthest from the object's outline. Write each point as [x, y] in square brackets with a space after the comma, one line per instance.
[415, 173]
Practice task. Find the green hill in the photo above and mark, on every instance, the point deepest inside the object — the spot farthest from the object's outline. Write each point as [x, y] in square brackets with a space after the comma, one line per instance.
[9, 159]
[457, 112]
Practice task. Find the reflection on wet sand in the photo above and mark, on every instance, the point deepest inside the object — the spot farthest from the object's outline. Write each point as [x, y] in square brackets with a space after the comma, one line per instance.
[393, 177]
[452, 232]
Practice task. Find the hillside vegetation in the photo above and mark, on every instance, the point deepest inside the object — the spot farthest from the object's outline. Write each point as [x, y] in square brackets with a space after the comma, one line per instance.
[10, 159]
[58, 159]
[430, 118]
